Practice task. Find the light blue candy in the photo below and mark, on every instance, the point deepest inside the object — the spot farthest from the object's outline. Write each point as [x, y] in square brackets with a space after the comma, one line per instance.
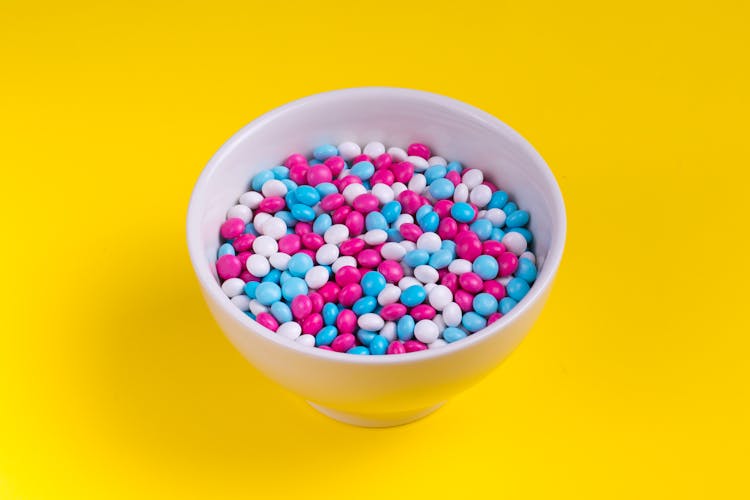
[330, 313]
[273, 276]
[225, 249]
[285, 276]
[299, 264]
[290, 184]
[414, 295]
[506, 305]
[250, 315]
[281, 172]
[325, 151]
[442, 189]
[378, 345]
[326, 188]
[414, 258]
[303, 212]
[293, 287]
[405, 328]
[462, 212]
[497, 234]
[528, 236]
[498, 200]
[483, 228]
[326, 335]
[452, 334]
[434, 173]
[486, 267]
[372, 283]
[307, 195]
[455, 166]
[250, 229]
[395, 235]
[287, 217]
[449, 245]
[250, 288]
[314, 161]
[376, 220]
[473, 322]
[517, 288]
[281, 312]
[322, 224]
[364, 170]
[268, 293]
[391, 211]
[359, 350]
[519, 218]
[365, 305]
[365, 336]
[509, 208]
[422, 211]
[261, 178]
[289, 198]
[441, 259]
[526, 270]
[430, 222]
[485, 304]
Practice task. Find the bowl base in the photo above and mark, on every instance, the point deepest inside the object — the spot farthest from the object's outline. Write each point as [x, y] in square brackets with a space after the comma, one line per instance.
[375, 420]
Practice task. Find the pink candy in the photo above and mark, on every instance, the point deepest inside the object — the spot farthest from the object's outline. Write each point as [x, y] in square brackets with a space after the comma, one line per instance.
[295, 159]
[335, 164]
[347, 275]
[507, 263]
[471, 282]
[268, 321]
[468, 245]
[301, 306]
[346, 321]
[312, 241]
[319, 174]
[243, 242]
[298, 173]
[231, 228]
[332, 202]
[350, 294]
[392, 312]
[340, 214]
[403, 171]
[454, 177]
[343, 342]
[369, 258]
[383, 161]
[228, 266]
[450, 280]
[494, 288]
[464, 300]
[392, 271]
[447, 229]
[423, 311]
[272, 204]
[418, 149]
[352, 246]
[290, 244]
[312, 324]
[410, 232]
[410, 201]
[494, 317]
[366, 203]
[493, 248]
[414, 346]
[330, 292]
[383, 177]
[317, 301]
[396, 347]
[355, 222]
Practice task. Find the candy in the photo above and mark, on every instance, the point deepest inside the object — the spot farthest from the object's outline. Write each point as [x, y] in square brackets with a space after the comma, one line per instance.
[375, 250]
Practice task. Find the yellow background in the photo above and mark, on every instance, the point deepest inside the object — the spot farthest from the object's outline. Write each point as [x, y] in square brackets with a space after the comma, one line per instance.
[115, 382]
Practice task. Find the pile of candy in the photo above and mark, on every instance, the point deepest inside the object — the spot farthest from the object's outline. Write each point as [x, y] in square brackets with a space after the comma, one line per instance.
[368, 251]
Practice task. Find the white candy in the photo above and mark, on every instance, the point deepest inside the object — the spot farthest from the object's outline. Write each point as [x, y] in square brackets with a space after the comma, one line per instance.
[389, 295]
[233, 287]
[240, 212]
[280, 260]
[426, 331]
[429, 242]
[403, 219]
[496, 216]
[375, 237]
[347, 260]
[482, 214]
[397, 154]
[383, 192]
[258, 266]
[336, 234]
[241, 302]
[439, 297]
[514, 242]
[251, 199]
[274, 227]
[327, 254]
[392, 251]
[452, 314]
[317, 277]
[398, 188]
[408, 245]
[472, 178]
[460, 266]
[438, 320]
[528, 255]
[257, 308]
[349, 150]
[306, 339]
[371, 322]
[352, 191]
[265, 246]
[437, 160]
[344, 172]
[407, 281]
[418, 183]
[420, 164]
[290, 330]
[461, 194]
[407, 269]
[428, 287]
[374, 149]
[426, 274]
[480, 195]
[437, 344]
[505, 280]
[389, 331]
[273, 187]
[260, 219]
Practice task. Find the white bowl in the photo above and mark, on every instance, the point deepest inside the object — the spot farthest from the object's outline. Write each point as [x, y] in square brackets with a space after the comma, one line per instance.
[377, 391]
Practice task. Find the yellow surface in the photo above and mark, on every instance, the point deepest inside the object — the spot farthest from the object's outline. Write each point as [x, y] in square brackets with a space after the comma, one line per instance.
[115, 382]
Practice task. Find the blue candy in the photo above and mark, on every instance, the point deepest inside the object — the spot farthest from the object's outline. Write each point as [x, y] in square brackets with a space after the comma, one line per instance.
[528, 236]
[498, 200]
[486, 267]
[326, 188]
[326, 335]
[293, 287]
[395, 235]
[287, 217]
[442, 189]
[483, 228]
[267, 293]
[325, 151]
[330, 313]
[378, 345]
[250, 229]
[290, 184]
[250, 315]
[365, 336]
[281, 312]
[441, 259]
[250, 288]
[365, 305]
[307, 195]
[497, 234]
[391, 211]
[462, 212]
[261, 178]
[364, 170]
[455, 166]
[414, 258]
[517, 288]
[509, 208]
[526, 270]
[359, 350]
[434, 173]
[405, 328]
[281, 172]
[429, 222]
[518, 218]
[225, 249]
[506, 305]
[422, 211]
[473, 322]
[273, 276]
[303, 212]
[322, 224]
[376, 220]
[414, 295]
[372, 283]
[452, 334]
[289, 198]
[314, 161]
[449, 245]
[299, 264]
[485, 304]
[285, 276]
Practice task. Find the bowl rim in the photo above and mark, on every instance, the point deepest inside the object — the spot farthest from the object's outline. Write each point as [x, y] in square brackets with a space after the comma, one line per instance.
[211, 286]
